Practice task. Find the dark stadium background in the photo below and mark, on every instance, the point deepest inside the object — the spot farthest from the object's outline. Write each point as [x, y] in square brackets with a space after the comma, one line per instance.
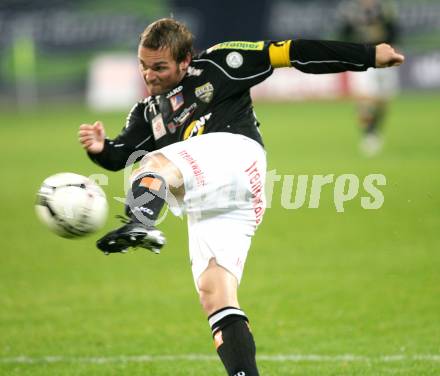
[66, 34]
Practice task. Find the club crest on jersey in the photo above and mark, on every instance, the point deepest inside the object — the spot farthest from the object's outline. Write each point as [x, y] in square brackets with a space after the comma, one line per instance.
[234, 59]
[205, 92]
[176, 101]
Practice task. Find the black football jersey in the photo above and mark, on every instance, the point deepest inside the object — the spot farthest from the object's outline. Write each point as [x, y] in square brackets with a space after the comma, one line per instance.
[214, 95]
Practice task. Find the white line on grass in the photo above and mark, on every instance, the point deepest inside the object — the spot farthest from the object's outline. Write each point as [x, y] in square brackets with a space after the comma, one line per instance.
[24, 359]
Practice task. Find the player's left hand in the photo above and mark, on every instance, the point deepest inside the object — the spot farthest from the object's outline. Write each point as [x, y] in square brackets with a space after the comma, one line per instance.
[386, 56]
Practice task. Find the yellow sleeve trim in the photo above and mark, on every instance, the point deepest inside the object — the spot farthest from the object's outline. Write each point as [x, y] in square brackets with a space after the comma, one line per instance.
[279, 54]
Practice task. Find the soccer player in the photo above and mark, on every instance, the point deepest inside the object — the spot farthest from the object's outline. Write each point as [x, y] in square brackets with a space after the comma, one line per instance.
[204, 156]
[372, 22]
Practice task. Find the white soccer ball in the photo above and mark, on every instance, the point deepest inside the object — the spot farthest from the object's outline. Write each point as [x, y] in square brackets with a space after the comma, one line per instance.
[71, 205]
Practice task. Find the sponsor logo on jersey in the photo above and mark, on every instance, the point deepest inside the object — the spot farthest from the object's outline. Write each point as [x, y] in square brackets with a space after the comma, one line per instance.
[234, 59]
[184, 115]
[193, 72]
[237, 45]
[205, 92]
[176, 101]
[178, 89]
[197, 127]
[158, 127]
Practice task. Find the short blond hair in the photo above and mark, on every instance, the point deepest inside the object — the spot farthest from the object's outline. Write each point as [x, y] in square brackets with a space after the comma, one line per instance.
[170, 33]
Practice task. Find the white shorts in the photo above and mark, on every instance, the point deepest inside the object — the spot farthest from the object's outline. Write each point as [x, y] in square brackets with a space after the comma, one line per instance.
[374, 83]
[224, 176]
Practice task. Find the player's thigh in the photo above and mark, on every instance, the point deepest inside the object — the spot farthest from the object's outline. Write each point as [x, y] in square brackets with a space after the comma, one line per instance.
[224, 197]
[224, 238]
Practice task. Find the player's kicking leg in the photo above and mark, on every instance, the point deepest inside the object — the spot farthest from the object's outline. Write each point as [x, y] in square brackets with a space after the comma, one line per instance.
[230, 327]
[145, 200]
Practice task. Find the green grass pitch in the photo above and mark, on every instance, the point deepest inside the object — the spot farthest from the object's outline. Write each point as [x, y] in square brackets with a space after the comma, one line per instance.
[352, 293]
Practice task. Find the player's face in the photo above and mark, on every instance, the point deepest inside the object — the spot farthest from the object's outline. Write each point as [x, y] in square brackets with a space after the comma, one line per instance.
[159, 70]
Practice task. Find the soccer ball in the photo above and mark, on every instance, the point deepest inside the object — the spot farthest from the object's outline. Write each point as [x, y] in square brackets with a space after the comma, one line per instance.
[71, 205]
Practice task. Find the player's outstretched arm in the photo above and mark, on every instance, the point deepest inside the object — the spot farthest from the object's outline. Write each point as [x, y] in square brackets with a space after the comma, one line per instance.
[323, 56]
[114, 154]
[386, 56]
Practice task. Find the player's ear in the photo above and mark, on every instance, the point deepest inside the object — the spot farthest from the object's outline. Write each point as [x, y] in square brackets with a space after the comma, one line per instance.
[183, 65]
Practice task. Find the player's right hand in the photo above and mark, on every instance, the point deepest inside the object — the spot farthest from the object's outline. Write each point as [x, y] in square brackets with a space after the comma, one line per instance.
[386, 56]
[92, 137]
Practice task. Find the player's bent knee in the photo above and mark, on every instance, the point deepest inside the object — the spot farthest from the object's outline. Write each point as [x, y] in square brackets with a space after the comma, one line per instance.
[213, 301]
[208, 301]
[150, 163]
[208, 295]
[217, 288]
[157, 163]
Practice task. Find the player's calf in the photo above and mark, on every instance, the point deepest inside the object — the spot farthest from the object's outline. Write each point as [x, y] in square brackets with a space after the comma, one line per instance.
[234, 341]
[146, 198]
